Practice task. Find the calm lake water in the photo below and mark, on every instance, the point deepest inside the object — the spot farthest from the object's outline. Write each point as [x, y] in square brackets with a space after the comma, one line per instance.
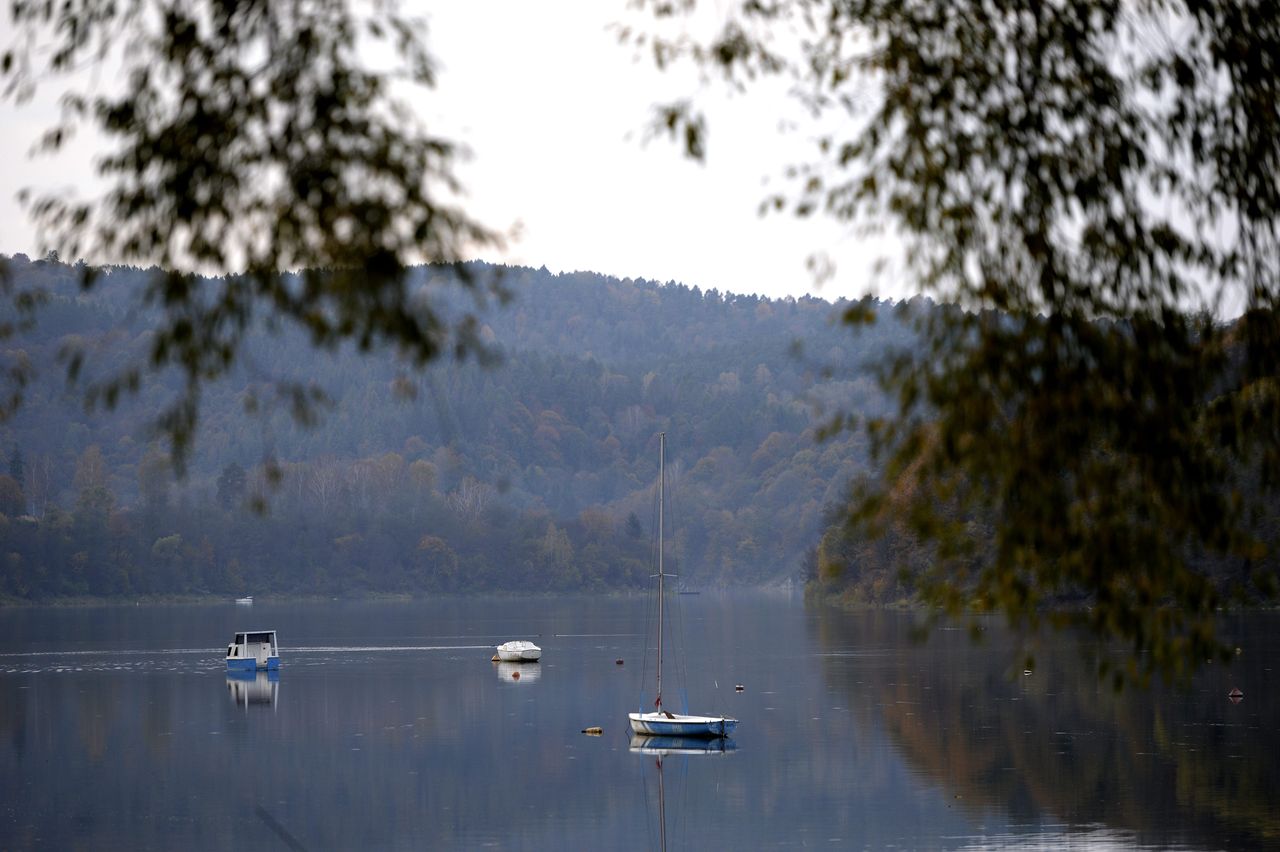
[389, 728]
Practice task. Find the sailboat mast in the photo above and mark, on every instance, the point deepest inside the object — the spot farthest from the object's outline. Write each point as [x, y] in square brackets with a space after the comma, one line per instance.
[662, 488]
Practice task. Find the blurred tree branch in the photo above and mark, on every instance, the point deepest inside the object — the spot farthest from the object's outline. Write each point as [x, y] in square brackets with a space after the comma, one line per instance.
[248, 139]
[1091, 188]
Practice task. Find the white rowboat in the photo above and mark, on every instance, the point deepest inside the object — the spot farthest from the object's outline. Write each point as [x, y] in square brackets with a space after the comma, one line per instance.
[519, 651]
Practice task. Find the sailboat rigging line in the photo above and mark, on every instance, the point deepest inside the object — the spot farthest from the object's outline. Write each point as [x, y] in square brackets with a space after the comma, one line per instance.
[679, 645]
[654, 841]
[662, 489]
[643, 699]
[682, 798]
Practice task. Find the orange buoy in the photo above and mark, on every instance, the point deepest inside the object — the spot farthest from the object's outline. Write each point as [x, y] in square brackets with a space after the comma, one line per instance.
[515, 675]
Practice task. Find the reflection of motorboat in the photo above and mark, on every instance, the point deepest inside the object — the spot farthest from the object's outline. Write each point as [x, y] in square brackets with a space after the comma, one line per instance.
[250, 651]
[518, 672]
[253, 687]
[519, 651]
[661, 722]
[644, 744]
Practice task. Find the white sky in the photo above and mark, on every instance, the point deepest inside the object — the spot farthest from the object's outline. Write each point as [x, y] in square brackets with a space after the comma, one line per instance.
[553, 111]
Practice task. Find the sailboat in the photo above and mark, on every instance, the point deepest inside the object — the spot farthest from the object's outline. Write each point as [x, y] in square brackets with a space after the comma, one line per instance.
[661, 722]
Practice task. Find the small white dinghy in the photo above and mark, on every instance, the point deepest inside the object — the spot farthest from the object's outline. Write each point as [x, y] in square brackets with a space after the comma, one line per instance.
[519, 651]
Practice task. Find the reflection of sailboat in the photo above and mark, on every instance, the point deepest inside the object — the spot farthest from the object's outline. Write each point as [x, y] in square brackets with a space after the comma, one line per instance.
[663, 747]
[518, 672]
[250, 687]
[661, 722]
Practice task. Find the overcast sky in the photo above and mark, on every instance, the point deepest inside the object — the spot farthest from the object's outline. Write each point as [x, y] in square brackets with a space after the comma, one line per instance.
[553, 111]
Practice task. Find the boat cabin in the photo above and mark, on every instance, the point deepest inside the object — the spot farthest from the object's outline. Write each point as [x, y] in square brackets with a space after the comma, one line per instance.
[251, 651]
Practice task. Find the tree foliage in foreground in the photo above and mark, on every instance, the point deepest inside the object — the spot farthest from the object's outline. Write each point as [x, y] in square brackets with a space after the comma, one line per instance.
[249, 138]
[1092, 185]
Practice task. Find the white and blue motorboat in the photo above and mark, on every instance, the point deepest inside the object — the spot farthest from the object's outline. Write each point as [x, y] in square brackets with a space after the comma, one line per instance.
[255, 651]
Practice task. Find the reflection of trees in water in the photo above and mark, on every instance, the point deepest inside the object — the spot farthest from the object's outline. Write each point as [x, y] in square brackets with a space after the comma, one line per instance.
[14, 713]
[400, 753]
[95, 712]
[157, 722]
[1168, 764]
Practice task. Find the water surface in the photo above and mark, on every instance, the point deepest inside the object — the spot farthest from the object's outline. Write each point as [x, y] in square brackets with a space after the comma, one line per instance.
[389, 728]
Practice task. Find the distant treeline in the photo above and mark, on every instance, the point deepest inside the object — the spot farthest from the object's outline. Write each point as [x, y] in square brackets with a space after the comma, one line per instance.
[533, 473]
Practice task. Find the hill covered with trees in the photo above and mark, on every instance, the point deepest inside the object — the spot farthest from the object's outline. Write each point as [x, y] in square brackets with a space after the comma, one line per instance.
[528, 470]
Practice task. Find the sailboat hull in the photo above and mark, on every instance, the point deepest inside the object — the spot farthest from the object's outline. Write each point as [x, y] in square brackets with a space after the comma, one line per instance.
[679, 725]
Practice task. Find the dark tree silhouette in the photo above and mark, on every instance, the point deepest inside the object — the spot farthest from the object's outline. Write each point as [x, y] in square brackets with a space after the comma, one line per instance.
[1093, 186]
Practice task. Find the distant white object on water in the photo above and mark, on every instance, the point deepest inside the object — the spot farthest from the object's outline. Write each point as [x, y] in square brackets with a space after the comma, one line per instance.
[246, 601]
[519, 651]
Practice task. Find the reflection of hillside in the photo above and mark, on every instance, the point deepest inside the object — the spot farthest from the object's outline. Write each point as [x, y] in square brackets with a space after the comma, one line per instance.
[404, 753]
[1059, 744]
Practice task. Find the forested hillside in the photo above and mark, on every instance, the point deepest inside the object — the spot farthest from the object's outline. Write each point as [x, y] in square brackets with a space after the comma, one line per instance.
[534, 472]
